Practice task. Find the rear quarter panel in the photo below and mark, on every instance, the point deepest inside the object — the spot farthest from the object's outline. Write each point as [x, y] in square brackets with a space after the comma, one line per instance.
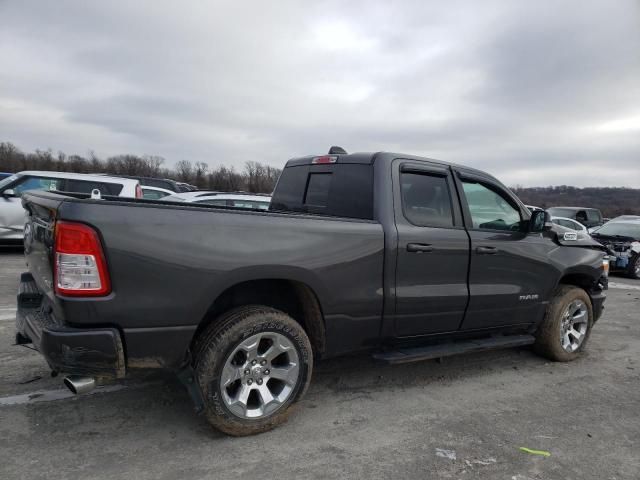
[168, 264]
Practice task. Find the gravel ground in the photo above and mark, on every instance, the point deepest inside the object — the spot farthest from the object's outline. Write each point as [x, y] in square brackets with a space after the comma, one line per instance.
[463, 418]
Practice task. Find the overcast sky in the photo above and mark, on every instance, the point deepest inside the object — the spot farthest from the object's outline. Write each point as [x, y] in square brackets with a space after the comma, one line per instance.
[537, 93]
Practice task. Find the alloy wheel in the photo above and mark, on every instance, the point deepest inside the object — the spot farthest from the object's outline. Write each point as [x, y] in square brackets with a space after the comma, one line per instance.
[259, 375]
[574, 325]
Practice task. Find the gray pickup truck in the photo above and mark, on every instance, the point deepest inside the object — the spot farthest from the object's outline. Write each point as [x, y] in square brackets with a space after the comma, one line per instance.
[405, 257]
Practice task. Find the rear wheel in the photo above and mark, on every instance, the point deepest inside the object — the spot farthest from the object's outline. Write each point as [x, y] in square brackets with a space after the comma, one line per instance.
[253, 364]
[567, 325]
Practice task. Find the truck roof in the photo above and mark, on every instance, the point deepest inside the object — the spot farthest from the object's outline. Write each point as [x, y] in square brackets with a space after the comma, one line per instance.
[382, 156]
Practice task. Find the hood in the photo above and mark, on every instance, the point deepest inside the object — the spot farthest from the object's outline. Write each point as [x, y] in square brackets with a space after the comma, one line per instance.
[571, 238]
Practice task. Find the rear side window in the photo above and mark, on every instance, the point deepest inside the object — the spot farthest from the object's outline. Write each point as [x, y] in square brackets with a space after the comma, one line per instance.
[426, 200]
[84, 186]
[339, 190]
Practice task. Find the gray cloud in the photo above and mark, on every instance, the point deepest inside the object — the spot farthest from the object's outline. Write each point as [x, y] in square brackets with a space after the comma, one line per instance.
[536, 93]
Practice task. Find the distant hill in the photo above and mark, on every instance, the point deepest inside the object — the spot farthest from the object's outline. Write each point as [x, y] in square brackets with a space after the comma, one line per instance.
[612, 201]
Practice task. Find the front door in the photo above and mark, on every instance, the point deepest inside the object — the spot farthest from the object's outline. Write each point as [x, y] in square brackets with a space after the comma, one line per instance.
[509, 273]
[433, 250]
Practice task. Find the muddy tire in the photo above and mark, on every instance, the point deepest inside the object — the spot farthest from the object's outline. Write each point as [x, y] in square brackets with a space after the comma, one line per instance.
[633, 270]
[565, 330]
[253, 364]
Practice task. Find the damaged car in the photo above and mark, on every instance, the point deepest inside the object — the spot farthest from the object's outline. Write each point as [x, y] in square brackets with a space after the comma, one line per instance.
[622, 238]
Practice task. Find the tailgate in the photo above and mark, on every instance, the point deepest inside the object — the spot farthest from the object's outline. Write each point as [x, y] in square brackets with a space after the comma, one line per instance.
[40, 319]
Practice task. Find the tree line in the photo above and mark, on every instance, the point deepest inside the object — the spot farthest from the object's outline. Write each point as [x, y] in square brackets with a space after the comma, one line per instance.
[611, 201]
[259, 178]
[254, 177]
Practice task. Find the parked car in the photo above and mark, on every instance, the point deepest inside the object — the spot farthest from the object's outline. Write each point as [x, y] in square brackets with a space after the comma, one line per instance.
[154, 193]
[443, 259]
[624, 218]
[570, 223]
[622, 238]
[12, 215]
[5, 175]
[589, 217]
[238, 200]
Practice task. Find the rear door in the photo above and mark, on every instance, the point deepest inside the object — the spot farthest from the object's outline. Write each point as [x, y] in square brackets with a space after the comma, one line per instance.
[433, 250]
[509, 274]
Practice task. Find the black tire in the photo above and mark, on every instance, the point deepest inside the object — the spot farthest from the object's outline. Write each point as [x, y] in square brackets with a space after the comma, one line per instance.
[549, 335]
[633, 270]
[219, 341]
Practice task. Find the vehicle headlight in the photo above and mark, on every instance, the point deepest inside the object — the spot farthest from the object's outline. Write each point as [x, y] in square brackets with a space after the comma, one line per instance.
[605, 265]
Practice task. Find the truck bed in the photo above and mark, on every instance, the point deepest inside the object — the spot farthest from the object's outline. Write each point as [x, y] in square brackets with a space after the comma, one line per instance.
[168, 262]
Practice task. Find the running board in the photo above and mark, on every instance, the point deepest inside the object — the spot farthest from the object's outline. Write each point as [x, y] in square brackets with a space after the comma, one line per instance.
[416, 354]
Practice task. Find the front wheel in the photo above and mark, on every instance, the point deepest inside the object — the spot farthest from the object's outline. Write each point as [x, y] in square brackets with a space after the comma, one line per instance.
[253, 364]
[566, 327]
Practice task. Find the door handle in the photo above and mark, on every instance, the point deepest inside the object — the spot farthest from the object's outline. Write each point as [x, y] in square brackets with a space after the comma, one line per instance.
[486, 250]
[419, 248]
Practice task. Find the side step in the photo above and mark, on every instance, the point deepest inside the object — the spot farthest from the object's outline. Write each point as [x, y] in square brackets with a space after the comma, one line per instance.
[416, 354]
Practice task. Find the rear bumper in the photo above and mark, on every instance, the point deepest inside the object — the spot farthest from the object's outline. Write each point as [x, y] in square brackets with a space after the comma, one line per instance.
[96, 351]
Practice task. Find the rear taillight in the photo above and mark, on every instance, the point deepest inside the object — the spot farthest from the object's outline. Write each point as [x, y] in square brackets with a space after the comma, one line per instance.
[138, 191]
[80, 268]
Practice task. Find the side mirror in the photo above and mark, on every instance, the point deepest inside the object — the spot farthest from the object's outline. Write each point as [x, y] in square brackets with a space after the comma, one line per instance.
[9, 192]
[538, 221]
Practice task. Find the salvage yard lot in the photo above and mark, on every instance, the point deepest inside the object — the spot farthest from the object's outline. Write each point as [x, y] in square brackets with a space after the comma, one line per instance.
[463, 418]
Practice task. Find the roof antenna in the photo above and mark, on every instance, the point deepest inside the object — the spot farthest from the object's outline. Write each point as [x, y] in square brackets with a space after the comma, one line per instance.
[337, 151]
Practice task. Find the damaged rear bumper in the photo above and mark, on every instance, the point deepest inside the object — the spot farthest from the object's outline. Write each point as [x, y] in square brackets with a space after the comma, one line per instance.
[96, 352]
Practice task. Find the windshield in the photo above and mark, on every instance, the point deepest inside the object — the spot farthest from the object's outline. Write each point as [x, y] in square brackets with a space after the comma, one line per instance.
[624, 229]
[8, 180]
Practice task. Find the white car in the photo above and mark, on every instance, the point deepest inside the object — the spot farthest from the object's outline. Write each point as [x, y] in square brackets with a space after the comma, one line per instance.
[238, 200]
[570, 223]
[12, 215]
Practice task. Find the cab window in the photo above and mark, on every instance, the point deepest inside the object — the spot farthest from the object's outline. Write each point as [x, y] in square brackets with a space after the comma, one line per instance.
[489, 209]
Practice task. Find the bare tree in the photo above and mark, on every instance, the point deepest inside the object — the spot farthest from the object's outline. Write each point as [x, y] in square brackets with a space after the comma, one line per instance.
[255, 177]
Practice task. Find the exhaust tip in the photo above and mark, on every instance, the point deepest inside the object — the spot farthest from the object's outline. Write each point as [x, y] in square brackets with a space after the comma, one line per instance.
[78, 384]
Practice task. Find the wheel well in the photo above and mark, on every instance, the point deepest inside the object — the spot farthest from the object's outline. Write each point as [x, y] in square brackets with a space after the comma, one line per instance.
[294, 298]
[579, 280]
